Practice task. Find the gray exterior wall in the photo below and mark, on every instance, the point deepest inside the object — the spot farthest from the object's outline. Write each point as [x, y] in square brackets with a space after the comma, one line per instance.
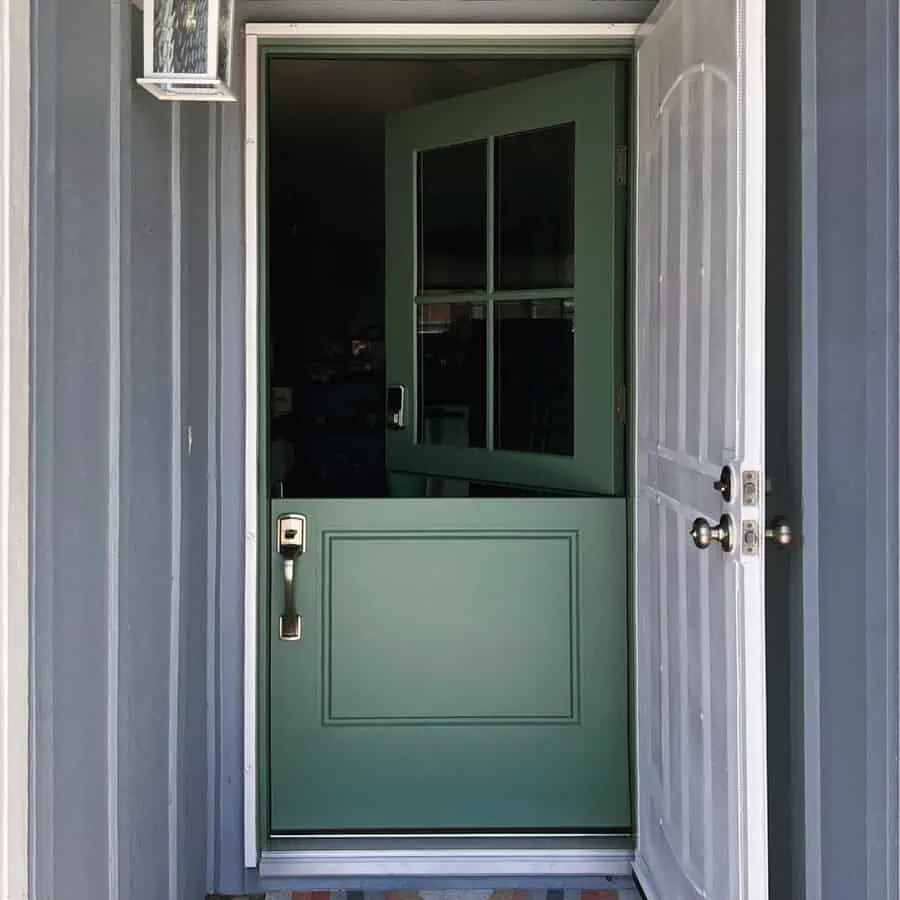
[843, 243]
[138, 426]
[120, 370]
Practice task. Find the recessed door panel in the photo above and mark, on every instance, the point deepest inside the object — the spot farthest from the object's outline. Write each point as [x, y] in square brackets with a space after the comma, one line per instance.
[457, 635]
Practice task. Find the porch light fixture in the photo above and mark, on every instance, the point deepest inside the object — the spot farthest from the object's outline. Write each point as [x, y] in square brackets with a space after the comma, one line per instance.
[187, 49]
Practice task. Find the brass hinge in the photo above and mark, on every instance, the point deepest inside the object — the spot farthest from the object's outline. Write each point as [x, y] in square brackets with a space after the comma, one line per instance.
[621, 403]
[622, 166]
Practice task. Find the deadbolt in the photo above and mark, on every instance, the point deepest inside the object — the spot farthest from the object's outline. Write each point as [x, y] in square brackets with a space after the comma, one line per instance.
[725, 484]
[780, 532]
[704, 534]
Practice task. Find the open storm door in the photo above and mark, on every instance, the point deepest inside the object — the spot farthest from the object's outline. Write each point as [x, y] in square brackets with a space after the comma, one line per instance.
[700, 655]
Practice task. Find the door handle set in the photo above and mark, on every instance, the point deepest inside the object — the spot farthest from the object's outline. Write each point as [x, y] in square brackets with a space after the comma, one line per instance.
[704, 533]
[290, 542]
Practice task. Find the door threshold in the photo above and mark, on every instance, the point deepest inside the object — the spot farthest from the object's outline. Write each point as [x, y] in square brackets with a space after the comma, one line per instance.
[563, 857]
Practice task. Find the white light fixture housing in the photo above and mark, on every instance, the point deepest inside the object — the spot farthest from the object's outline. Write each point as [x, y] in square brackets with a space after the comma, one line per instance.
[187, 49]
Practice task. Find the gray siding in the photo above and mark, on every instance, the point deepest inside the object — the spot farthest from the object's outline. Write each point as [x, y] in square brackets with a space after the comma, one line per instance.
[120, 373]
[846, 268]
[137, 551]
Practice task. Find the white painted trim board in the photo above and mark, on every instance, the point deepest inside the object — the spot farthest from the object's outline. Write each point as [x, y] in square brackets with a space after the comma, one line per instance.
[353, 34]
[15, 103]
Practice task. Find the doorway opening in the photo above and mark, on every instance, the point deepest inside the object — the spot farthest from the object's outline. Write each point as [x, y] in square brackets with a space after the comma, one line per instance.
[445, 643]
[330, 402]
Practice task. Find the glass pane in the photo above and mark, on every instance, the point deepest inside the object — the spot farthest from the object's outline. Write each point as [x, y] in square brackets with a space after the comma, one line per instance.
[451, 389]
[534, 344]
[453, 218]
[180, 34]
[535, 185]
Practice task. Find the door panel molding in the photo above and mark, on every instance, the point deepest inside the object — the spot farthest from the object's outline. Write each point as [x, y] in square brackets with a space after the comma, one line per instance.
[359, 697]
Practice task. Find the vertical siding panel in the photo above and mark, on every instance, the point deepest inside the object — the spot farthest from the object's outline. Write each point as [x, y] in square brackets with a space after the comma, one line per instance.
[193, 743]
[175, 495]
[145, 635]
[43, 284]
[229, 367]
[118, 134]
[71, 479]
[215, 737]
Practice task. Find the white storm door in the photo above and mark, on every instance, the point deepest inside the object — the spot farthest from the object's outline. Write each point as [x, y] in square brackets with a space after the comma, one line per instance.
[699, 351]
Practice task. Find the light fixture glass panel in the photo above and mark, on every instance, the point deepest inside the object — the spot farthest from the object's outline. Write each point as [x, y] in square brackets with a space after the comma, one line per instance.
[181, 36]
[187, 49]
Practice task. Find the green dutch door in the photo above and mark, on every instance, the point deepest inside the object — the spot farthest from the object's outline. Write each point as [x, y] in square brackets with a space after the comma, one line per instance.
[462, 662]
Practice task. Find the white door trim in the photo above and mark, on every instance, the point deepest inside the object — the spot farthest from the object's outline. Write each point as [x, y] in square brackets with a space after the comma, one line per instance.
[353, 35]
[14, 423]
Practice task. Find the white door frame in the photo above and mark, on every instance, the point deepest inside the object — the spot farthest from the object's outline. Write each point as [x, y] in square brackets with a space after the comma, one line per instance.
[15, 87]
[564, 858]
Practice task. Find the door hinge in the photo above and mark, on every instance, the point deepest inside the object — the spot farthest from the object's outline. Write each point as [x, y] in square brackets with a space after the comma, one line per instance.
[622, 166]
[621, 404]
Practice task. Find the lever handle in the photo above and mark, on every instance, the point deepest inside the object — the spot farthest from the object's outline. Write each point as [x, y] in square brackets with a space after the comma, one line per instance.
[290, 625]
[291, 544]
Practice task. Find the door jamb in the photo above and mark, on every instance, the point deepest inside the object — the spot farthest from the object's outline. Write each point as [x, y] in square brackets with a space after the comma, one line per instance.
[370, 39]
[15, 771]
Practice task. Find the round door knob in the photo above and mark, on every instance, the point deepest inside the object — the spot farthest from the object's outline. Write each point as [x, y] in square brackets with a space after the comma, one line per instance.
[704, 533]
[780, 531]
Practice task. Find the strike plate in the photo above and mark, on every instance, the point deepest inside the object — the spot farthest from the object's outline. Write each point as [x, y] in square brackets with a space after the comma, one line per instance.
[750, 488]
[750, 537]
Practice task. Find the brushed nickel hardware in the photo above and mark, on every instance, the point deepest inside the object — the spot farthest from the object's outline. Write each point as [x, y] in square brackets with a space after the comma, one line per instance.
[780, 532]
[291, 544]
[750, 537]
[621, 166]
[396, 402]
[725, 484]
[750, 487]
[704, 534]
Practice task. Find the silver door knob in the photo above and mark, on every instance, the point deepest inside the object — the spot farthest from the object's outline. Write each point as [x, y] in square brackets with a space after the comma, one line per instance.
[704, 534]
[779, 531]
